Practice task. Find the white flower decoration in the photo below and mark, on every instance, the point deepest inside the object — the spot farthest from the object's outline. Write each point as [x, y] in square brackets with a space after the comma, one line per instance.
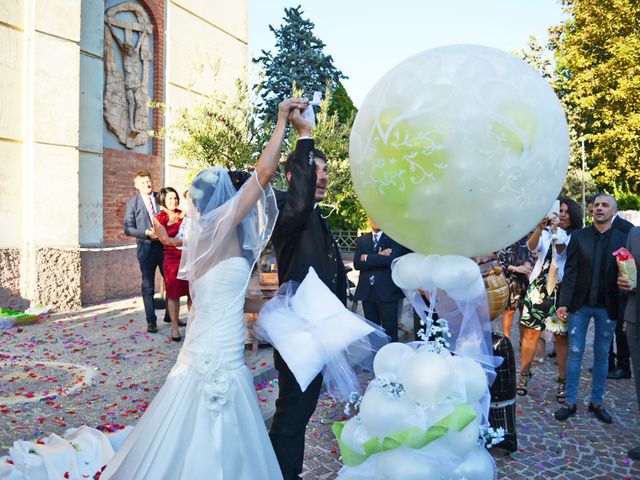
[215, 382]
[535, 296]
[209, 365]
[195, 193]
[210, 177]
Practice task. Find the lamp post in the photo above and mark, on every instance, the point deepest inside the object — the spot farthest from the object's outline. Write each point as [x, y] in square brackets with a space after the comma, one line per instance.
[584, 200]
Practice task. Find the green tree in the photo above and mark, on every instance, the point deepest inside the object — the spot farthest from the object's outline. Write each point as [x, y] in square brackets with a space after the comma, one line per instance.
[220, 130]
[597, 50]
[299, 59]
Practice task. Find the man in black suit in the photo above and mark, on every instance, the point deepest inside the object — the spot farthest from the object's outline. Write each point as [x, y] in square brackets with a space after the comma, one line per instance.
[589, 289]
[620, 360]
[141, 209]
[380, 297]
[301, 239]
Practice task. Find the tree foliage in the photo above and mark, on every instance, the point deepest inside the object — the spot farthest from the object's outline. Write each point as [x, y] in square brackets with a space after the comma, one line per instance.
[299, 59]
[220, 130]
[597, 50]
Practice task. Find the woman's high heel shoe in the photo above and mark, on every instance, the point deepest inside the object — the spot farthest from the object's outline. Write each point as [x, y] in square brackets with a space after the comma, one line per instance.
[523, 382]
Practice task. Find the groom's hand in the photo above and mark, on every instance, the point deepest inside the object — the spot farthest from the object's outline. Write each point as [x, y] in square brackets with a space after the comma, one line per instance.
[300, 124]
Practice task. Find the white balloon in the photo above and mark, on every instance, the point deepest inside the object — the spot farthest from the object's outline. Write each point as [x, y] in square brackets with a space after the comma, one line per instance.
[459, 150]
[407, 464]
[426, 378]
[455, 271]
[438, 412]
[473, 375]
[383, 415]
[478, 465]
[354, 435]
[427, 268]
[391, 358]
[467, 293]
[405, 273]
[462, 442]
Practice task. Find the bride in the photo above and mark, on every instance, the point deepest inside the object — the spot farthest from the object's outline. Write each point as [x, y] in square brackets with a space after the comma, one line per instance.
[205, 421]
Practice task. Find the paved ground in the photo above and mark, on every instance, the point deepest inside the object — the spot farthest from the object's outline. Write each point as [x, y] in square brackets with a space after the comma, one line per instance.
[99, 366]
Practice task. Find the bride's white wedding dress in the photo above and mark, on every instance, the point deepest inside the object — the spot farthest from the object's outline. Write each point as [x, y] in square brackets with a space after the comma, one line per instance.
[205, 421]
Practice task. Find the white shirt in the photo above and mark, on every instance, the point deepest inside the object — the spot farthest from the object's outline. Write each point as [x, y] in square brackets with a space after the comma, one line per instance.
[544, 242]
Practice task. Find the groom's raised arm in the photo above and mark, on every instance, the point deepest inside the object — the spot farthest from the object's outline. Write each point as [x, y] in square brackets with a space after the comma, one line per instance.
[302, 178]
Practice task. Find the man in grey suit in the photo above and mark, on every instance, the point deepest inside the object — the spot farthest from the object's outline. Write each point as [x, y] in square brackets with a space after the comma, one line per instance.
[632, 318]
[141, 209]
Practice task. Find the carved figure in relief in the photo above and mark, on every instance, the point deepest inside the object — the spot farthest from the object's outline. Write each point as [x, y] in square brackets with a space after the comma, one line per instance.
[126, 99]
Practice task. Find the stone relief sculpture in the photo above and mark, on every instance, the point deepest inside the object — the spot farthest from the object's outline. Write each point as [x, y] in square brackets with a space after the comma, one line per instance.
[126, 108]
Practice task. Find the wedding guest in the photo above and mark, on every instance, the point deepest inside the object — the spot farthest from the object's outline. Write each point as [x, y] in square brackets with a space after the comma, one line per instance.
[632, 318]
[516, 262]
[590, 290]
[166, 226]
[549, 240]
[138, 223]
[302, 239]
[381, 298]
[620, 357]
[570, 220]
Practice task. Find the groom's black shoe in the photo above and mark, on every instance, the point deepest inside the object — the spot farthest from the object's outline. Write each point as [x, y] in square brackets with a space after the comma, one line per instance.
[152, 328]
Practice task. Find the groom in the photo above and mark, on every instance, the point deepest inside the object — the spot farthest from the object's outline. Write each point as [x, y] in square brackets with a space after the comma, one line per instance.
[301, 239]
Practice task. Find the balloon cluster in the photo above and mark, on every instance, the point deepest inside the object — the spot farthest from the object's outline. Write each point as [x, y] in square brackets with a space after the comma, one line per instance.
[458, 276]
[419, 418]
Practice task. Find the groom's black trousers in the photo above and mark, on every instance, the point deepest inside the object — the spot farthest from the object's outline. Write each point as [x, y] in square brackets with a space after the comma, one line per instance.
[293, 411]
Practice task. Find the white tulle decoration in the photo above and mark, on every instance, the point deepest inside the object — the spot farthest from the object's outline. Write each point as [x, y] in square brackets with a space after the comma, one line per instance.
[407, 464]
[462, 442]
[354, 435]
[477, 465]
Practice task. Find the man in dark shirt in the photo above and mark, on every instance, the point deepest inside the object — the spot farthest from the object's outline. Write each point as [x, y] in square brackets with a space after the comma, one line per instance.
[301, 239]
[589, 289]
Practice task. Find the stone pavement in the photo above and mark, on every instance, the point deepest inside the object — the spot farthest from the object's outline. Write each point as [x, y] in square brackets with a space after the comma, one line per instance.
[99, 366]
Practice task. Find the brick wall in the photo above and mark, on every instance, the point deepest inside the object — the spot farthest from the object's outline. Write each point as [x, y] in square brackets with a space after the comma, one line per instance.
[117, 186]
[120, 165]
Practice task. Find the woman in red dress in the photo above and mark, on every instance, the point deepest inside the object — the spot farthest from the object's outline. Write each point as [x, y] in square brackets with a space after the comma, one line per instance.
[166, 226]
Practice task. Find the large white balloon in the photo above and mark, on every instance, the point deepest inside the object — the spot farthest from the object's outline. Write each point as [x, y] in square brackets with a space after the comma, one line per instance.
[383, 415]
[472, 374]
[459, 150]
[426, 378]
[391, 358]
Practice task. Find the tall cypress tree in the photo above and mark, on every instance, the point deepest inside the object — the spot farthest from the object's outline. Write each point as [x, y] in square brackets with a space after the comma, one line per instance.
[299, 60]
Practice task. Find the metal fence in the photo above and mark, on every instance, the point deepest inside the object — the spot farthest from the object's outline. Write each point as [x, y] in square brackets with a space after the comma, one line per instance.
[346, 240]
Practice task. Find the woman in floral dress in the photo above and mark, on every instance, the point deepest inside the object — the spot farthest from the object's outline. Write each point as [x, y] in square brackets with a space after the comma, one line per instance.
[549, 240]
[516, 262]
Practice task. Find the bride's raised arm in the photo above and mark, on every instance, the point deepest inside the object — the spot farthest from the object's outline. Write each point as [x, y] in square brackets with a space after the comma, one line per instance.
[270, 156]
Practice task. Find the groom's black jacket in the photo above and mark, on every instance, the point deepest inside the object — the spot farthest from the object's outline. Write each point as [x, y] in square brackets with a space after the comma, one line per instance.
[301, 237]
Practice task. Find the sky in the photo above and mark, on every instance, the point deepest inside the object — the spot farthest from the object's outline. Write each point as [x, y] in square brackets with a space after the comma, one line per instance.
[368, 37]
